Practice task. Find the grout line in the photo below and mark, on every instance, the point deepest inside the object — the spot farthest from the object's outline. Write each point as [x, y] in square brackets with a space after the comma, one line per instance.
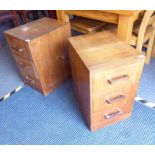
[9, 94]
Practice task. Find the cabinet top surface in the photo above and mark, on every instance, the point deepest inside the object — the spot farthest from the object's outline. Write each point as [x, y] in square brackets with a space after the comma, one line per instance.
[35, 28]
[103, 48]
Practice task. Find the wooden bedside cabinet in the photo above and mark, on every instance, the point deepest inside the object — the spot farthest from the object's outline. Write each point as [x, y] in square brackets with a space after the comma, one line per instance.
[40, 52]
[106, 73]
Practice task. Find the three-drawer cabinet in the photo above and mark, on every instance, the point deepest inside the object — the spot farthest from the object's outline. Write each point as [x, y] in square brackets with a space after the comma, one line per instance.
[40, 52]
[106, 73]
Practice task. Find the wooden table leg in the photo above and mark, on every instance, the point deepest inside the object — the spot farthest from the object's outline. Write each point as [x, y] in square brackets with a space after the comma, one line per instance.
[62, 16]
[153, 50]
[125, 26]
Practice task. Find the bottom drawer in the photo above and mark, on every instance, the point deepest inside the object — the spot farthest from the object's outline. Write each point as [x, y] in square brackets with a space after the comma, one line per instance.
[28, 73]
[34, 83]
[108, 117]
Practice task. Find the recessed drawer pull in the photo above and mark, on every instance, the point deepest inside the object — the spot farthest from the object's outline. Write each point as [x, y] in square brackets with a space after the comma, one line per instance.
[14, 47]
[29, 79]
[62, 57]
[23, 65]
[27, 67]
[115, 98]
[20, 63]
[112, 115]
[117, 78]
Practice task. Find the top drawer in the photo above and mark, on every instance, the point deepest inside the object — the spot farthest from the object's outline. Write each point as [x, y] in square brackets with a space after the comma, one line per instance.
[113, 80]
[19, 47]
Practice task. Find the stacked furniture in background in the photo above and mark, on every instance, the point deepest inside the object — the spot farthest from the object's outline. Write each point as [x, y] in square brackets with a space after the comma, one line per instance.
[86, 25]
[143, 33]
[7, 16]
[106, 74]
[40, 52]
[24, 15]
[52, 14]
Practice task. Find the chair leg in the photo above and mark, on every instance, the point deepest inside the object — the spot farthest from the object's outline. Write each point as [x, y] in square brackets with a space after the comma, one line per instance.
[46, 13]
[149, 48]
[35, 14]
[25, 17]
[16, 21]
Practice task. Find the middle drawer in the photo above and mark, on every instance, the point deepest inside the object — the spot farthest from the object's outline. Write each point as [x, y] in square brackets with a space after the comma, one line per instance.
[122, 97]
[26, 68]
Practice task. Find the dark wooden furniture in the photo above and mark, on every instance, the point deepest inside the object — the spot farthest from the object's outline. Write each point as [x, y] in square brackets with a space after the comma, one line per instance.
[106, 73]
[52, 14]
[6, 15]
[24, 14]
[40, 51]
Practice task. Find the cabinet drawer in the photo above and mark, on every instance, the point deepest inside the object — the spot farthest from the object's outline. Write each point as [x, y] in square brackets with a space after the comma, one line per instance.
[19, 47]
[26, 68]
[108, 101]
[116, 79]
[114, 99]
[110, 116]
[34, 83]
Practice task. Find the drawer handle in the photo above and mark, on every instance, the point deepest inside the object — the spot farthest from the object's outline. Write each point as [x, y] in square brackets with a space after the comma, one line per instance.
[27, 68]
[115, 98]
[114, 114]
[23, 65]
[62, 57]
[20, 63]
[14, 47]
[121, 77]
[29, 79]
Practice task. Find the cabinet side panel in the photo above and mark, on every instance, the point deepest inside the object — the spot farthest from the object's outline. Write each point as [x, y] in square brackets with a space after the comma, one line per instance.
[81, 84]
[50, 57]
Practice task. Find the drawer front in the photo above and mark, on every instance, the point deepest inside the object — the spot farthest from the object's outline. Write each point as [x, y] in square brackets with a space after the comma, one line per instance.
[34, 83]
[26, 68]
[19, 47]
[110, 116]
[108, 101]
[117, 98]
[117, 79]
